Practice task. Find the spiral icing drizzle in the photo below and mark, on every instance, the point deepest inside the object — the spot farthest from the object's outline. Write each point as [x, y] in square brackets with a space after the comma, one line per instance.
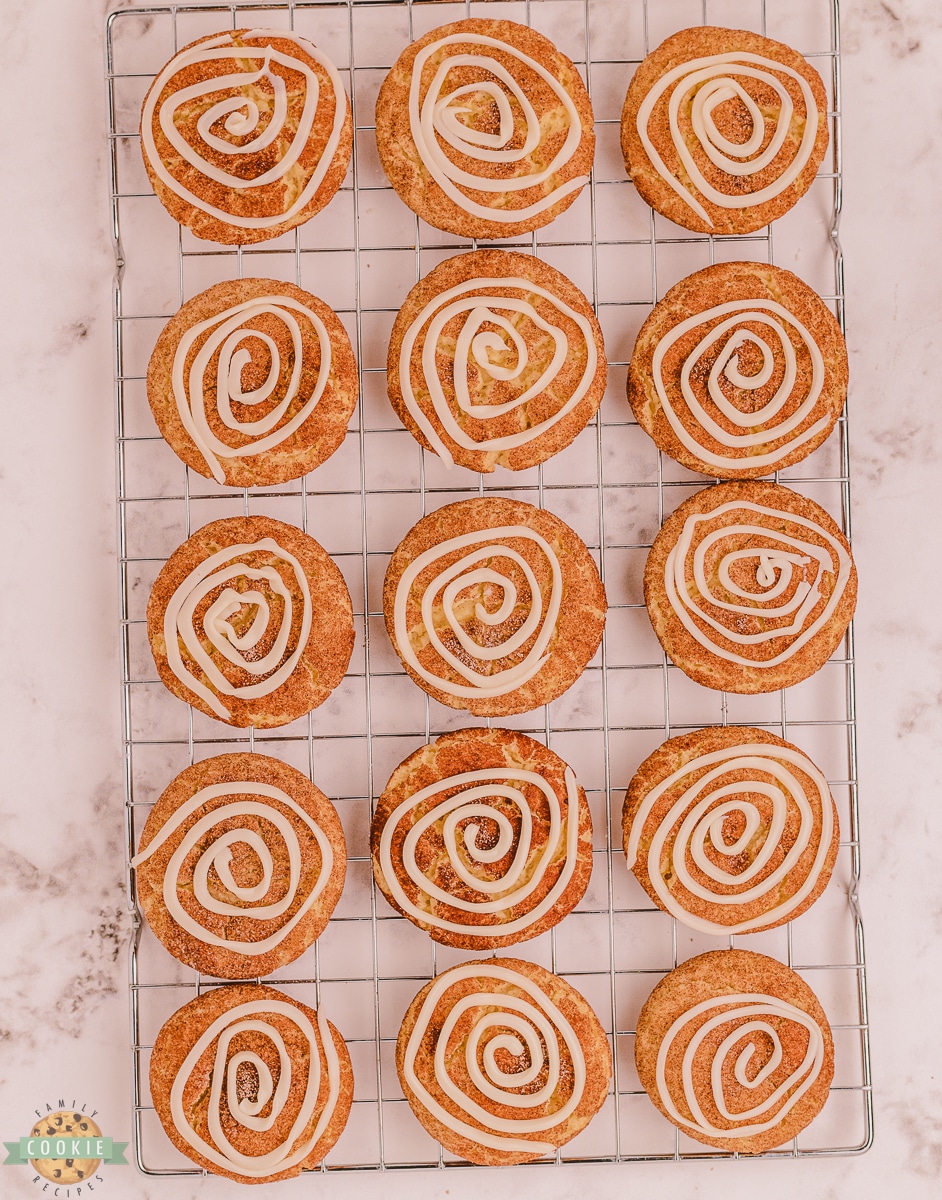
[251, 1017]
[713, 79]
[436, 123]
[766, 423]
[218, 857]
[228, 99]
[528, 1025]
[221, 570]
[227, 333]
[482, 302]
[539, 624]
[786, 599]
[696, 818]
[747, 1014]
[527, 868]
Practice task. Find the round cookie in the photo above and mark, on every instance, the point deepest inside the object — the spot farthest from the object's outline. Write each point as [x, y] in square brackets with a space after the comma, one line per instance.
[246, 134]
[735, 1049]
[495, 359]
[253, 382]
[239, 866]
[750, 587]
[740, 370]
[730, 830]
[483, 839]
[502, 1061]
[494, 606]
[723, 130]
[239, 1051]
[485, 129]
[250, 621]
[65, 1124]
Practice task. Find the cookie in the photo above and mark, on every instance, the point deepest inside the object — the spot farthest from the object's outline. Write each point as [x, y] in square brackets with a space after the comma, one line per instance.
[750, 587]
[239, 866]
[734, 1048]
[250, 621]
[730, 830]
[239, 1051]
[723, 130]
[502, 1061]
[66, 1123]
[246, 134]
[495, 359]
[494, 606]
[739, 371]
[485, 129]
[253, 382]
[483, 839]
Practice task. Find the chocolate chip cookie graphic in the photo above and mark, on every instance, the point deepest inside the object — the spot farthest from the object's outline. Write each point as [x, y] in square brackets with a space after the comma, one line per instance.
[59, 1125]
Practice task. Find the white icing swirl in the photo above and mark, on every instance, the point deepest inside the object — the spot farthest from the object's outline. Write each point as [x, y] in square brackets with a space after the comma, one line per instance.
[244, 1018]
[765, 423]
[485, 302]
[540, 622]
[697, 817]
[747, 1014]
[436, 124]
[529, 864]
[243, 117]
[227, 332]
[782, 562]
[713, 79]
[221, 570]
[531, 1025]
[217, 855]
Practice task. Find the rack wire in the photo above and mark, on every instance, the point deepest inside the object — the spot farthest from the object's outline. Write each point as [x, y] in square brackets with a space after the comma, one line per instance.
[362, 254]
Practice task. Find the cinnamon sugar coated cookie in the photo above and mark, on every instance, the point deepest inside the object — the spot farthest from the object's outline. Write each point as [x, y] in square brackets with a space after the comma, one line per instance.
[740, 370]
[750, 587]
[483, 839]
[250, 621]
[495, 359]
[735, 1049]
[730, 830]
[494, 606]
[502, 1061]
[485, 129]
[250, 1083]
[723, 130]
[253, 382]
[246, 134]
[240, 864]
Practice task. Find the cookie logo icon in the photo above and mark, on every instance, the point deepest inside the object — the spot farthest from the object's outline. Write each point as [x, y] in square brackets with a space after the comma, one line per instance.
[65, 1124]
[64, 1150]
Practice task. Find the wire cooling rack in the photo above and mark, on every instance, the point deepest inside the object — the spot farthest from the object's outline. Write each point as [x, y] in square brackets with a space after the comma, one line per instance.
[362, 254]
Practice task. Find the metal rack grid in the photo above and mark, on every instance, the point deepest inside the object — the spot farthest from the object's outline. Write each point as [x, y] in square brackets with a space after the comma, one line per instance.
[611, 485]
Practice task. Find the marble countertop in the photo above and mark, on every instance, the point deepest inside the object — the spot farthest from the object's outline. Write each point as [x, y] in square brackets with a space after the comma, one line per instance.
[63, 1014]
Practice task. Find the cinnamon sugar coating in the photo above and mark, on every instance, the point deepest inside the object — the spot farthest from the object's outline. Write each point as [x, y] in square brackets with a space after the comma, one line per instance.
[492, 751]
[325, 653]
[699, 661]
[593, 1045]
[572, 641]
[711, 977]
[314, 440]
[486, 389]
[411, 177]
[733, 122]
[180, 1033]
[255, 90]
[237, 771]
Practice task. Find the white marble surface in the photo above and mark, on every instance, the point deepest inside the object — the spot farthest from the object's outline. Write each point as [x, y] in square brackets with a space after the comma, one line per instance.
[63, 1014]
